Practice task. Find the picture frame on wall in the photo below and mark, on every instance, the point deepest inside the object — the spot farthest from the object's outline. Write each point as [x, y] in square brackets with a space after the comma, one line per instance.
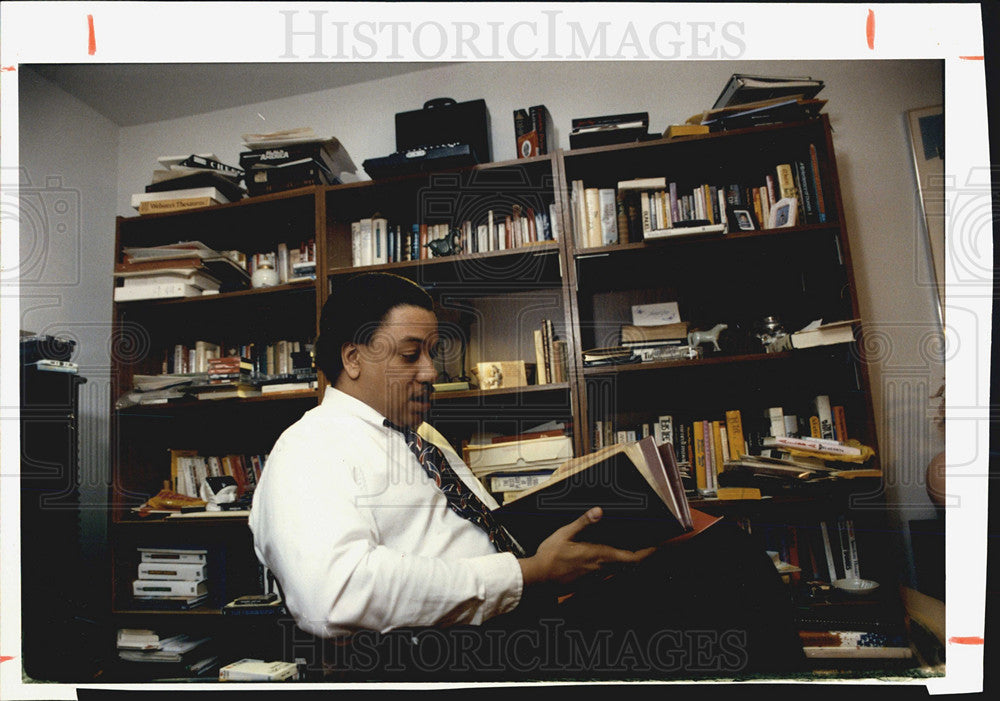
[926, 130]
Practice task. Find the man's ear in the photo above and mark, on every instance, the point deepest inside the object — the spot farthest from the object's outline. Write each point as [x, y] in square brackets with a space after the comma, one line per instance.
[350, 356]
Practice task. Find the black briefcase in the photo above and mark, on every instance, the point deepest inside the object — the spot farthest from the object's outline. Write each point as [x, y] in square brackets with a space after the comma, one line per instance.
[445, 121]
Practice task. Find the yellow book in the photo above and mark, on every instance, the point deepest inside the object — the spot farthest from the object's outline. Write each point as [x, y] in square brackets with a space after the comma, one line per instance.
[786, 182]
[675, 130]
[699, 455]
[814, 428]
[734, 432]
[154, 206]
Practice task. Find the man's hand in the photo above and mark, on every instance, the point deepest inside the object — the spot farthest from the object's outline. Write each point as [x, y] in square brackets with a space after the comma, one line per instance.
[561, 560]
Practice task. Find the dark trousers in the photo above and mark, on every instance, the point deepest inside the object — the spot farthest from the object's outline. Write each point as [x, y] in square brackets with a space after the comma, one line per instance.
[713, 606]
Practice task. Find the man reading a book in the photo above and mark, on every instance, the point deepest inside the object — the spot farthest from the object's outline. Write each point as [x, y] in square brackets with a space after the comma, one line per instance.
[371, 522]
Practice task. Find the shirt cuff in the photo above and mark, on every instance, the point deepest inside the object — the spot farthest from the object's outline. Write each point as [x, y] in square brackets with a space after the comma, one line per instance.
[501, 575]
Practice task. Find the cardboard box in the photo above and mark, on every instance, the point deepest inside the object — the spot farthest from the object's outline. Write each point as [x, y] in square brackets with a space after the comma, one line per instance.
[534, 454]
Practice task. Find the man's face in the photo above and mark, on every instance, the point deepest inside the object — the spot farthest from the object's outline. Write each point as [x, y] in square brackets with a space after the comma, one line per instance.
[396, 369]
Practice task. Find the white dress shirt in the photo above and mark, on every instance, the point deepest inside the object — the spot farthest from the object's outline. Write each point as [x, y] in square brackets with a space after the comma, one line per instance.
[358, 535]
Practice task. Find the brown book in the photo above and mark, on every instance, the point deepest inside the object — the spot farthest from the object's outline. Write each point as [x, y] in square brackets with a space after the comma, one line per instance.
[636, 484]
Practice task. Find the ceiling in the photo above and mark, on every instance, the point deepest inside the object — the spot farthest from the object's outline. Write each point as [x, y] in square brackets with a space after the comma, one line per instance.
[131, 94]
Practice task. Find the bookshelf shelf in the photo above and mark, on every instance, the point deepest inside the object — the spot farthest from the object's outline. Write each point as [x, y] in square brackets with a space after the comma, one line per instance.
[277, 290]
[487, 394]
[719, 239]
[208, 404]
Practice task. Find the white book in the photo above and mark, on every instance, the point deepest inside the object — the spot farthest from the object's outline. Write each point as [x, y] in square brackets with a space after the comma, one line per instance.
[664, 430]
[156, 291]
[643, 184]
[554, 222]
[684, 231]
[249, 669]
[356, 255]
[199, 279]
[367, 242]
[173, 554]
[811, 444]
[187, 571]
[165, 587]
[188, 193]
[776, 416]
[822, 406]
[609, 216]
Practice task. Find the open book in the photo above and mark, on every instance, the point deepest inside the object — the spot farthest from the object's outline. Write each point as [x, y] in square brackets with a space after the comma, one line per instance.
[638, 486]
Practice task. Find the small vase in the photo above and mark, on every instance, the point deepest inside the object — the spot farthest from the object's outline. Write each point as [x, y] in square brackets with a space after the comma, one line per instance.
[264, 276]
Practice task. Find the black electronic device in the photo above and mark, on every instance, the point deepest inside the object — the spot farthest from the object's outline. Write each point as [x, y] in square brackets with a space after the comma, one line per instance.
[442, 134]
[424, 158]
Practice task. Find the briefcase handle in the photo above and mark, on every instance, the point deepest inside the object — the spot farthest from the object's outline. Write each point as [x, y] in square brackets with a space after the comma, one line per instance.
[439, 102]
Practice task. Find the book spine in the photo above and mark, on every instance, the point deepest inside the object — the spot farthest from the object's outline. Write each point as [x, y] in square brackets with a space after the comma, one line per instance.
[646, 212]
[853, 548]
[592, 199]
[541, 372]
[683, 444]
[815, 431]
[718, 454]
[709, 440]
[845, 548]
[825, 414]
[786, 181]
[840, 423]
[609, 216]
[805, 201]
[664, 430]
[817, 184]
[776, 421]
[701, 475]
[828, 550]
[734, 432]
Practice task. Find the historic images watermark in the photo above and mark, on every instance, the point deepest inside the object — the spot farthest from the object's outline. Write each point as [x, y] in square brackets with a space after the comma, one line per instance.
[550, 650]
[546, 35]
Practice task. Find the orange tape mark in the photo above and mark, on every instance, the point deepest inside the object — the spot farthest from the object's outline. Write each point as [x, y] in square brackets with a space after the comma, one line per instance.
[91, 40]
[968, 640]
[8, 68]
[971, 58]
[870, 29]
[4, 658]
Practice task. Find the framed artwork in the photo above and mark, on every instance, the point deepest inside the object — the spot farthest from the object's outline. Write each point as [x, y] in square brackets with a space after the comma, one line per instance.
[498, 374]
[741, 219]
[784, 213]
[926, 127]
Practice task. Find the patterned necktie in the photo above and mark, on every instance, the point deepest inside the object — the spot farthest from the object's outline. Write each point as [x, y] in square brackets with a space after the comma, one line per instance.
[462, 500]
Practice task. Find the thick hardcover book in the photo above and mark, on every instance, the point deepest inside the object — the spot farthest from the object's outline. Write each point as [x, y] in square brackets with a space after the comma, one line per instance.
[742, 88]
[636, 484]
[226, 185]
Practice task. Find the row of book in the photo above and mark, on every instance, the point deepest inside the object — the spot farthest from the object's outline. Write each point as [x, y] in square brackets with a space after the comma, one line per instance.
[377, 241]
[277, 358]
[823, 551]
[550, 355]
[189, 470]
[778, 442]
[184, 269]
[648, 208]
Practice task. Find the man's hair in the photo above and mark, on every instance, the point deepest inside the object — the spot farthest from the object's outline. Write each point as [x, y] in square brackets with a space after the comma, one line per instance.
[356, 308]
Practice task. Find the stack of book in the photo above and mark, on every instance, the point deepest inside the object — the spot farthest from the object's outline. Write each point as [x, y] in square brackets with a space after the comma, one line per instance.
[187, 182]
[185, 269]
[743, 88]
[228, 370]
[609, 129]
[287, 159]
[165, 655]
[518, 462]
[171, 578]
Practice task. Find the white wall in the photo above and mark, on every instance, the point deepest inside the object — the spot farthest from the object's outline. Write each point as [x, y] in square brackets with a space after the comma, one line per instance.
[867, 102]
[68, 162]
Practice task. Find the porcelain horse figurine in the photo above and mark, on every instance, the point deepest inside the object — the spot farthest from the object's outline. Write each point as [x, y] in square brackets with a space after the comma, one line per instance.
[696, 338]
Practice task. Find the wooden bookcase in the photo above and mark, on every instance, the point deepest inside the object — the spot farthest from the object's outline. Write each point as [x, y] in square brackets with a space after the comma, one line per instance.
[489, 304]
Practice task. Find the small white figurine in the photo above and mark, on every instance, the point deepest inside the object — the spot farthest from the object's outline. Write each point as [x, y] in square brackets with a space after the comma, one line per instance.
[696, 338]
